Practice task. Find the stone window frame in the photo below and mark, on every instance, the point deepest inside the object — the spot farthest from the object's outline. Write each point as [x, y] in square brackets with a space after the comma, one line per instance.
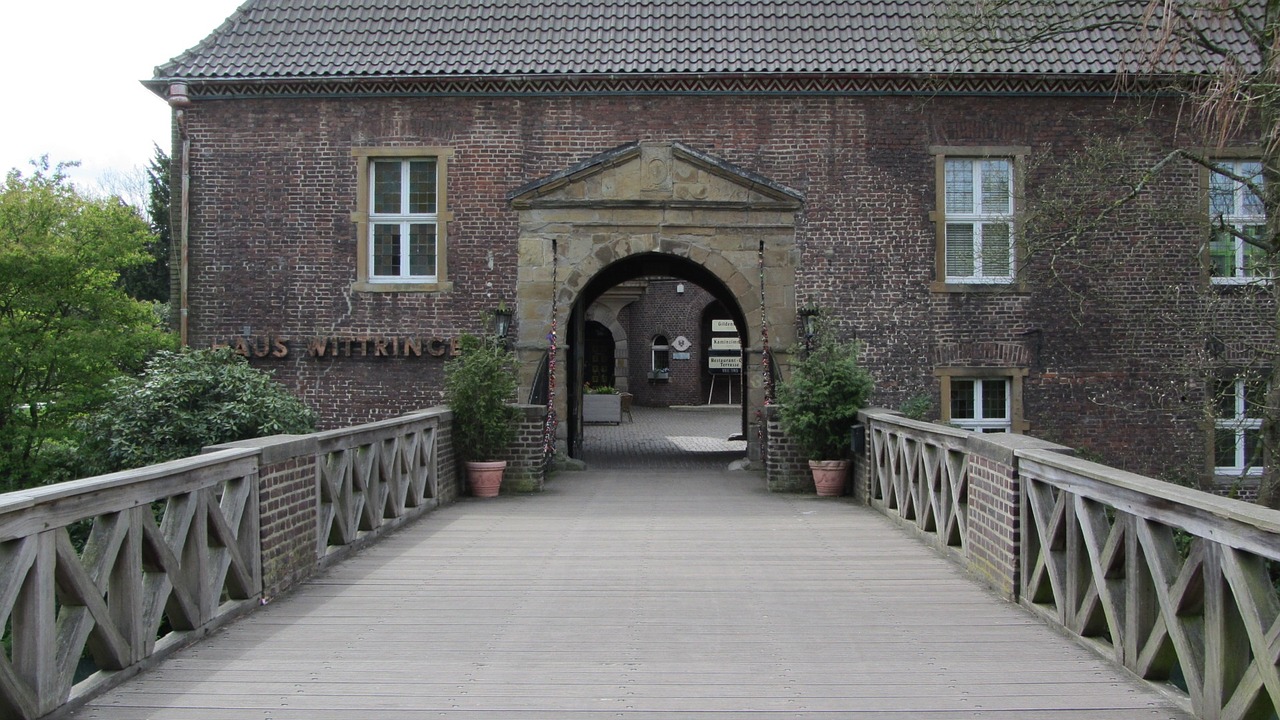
[1017, 155]
[1233, 157]
[1239, 423]
[365, 157]
[1015, 377]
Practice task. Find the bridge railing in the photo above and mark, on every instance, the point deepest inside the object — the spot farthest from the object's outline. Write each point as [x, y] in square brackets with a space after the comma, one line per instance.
[101, 577]
[1177, 585]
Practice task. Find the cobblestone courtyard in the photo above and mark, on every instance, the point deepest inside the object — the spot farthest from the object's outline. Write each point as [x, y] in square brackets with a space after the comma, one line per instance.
[694, 437]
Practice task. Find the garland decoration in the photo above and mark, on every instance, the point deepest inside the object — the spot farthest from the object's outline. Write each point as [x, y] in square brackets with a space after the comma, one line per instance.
[765, 358]
[549, 427]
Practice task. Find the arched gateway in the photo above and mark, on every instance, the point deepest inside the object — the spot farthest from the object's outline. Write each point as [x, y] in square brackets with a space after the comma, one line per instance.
[653, 209]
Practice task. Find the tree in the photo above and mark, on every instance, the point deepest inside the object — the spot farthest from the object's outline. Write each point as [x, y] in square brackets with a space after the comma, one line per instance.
[1221, 58]
[66, 326]
[185, 401]
[150, 281]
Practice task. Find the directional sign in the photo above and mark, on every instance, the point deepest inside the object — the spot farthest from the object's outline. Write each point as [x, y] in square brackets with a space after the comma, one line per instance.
[726, 344]
[723, 326]
[724, 363]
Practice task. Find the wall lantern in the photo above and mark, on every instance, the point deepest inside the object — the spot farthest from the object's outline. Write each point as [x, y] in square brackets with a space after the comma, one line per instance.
[809, 321]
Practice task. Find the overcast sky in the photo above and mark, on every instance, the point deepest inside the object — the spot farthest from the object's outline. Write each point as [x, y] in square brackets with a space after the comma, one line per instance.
[71, 73]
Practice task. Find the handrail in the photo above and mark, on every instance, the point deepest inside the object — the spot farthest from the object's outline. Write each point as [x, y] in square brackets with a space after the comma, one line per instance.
[124, 568]
[120, 567]
[1178, 585]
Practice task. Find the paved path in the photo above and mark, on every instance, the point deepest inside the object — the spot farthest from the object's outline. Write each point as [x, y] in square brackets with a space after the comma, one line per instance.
[640, 594]
[689, 438]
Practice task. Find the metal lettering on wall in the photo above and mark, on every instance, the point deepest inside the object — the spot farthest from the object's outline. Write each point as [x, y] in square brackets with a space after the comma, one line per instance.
[340, 346]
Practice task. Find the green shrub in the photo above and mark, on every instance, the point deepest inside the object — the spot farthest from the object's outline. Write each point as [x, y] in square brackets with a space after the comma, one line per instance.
[479, 387]
[917, 407]
[820, 401]
[185, 401]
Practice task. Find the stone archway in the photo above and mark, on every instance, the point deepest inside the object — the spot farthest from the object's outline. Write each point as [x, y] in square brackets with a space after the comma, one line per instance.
[654, 208]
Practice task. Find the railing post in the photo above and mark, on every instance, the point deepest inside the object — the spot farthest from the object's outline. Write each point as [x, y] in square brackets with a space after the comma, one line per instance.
[995, 540]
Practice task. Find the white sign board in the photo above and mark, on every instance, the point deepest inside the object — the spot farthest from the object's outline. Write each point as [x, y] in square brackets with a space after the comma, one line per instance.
[725, 344]
[723, 326]
[724, 363]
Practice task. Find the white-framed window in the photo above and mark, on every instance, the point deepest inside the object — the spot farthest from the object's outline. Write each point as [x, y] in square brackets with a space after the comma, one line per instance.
[981, 404]
[660, 357]
[1237, 426]
[1236, 210]
[401, 219]
[978, 225]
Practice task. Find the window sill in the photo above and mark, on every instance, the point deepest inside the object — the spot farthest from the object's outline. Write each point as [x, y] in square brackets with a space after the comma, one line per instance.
[1240, 286]
[377, 287]
[978, 287]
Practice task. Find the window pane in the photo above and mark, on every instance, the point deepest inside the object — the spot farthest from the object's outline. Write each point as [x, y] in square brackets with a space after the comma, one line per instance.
[1224, 448]
[422, 249]
[962, 399]
[1252, 448]
[661, 360]
[386, 187]
[959, 179]
[1250, 203]
[1255, 397]
[422, 187]
[386, 249]
[959, 250]
[995, 186]
[995, 399]
[1254, 256]
[1221, 195]
[996, 250]
[1222, 254]
[1224, 397]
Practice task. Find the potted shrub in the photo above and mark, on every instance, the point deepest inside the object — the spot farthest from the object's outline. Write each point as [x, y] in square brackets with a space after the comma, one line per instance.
[479, 386]
[820, 402]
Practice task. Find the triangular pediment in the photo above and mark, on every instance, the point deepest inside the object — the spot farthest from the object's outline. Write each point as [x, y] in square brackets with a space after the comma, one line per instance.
[656, 174]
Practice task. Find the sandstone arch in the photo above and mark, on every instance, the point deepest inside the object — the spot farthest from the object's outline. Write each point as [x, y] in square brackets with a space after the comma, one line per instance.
[654, 208]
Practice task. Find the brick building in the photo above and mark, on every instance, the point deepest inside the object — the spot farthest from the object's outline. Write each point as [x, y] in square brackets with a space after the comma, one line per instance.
[363, 184]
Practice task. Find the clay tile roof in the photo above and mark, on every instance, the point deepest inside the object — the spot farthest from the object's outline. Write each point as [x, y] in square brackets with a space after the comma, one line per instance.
[266, 39]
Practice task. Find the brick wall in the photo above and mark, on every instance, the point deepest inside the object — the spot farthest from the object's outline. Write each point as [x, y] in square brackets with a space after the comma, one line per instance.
[1109, 343]
[786, 468]
[287, 496]
[662, 310]
[526, 462]
[993, 522]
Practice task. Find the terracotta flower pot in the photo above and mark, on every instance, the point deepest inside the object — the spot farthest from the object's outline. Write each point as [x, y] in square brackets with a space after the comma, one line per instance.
[829, 476]
[485, 478]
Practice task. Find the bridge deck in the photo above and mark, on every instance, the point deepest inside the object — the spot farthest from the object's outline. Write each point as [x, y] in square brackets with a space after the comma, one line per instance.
[669, 593]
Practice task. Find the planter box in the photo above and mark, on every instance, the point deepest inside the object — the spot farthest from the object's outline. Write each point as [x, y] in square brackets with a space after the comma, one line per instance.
[602, 409]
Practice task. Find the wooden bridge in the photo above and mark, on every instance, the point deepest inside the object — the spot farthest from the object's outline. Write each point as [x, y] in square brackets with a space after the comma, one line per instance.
[617, 593]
